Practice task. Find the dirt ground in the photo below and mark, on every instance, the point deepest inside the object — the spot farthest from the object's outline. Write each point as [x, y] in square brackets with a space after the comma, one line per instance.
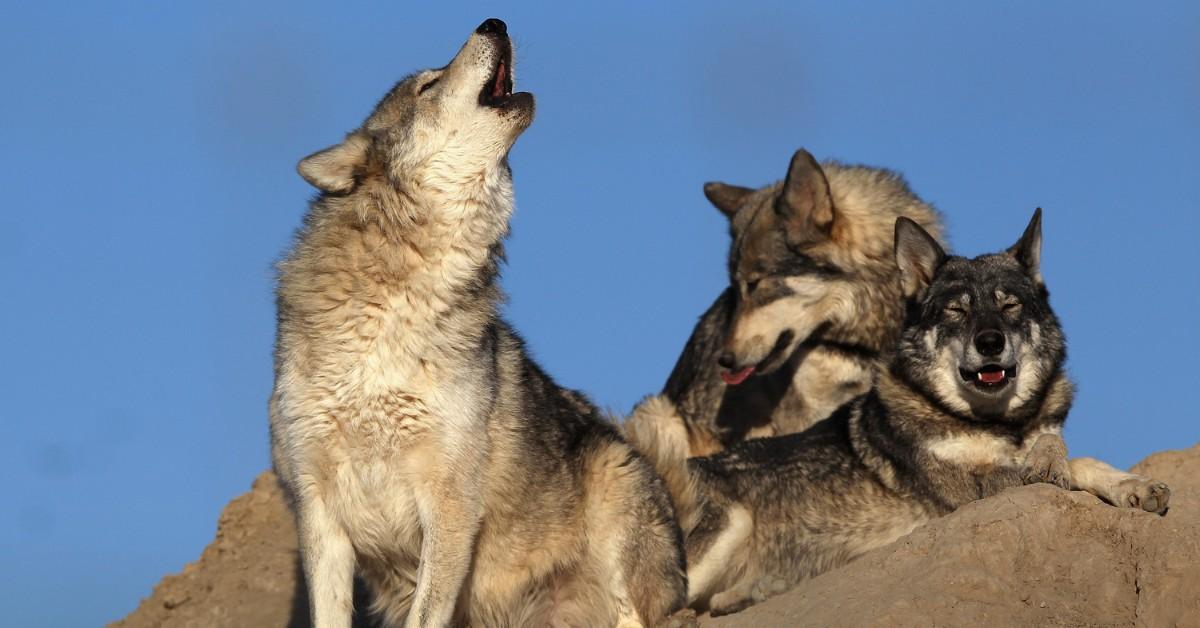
[1033, 556]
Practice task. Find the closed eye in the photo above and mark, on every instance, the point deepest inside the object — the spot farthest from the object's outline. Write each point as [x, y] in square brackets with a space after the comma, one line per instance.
[1011, 307]
[428, 85]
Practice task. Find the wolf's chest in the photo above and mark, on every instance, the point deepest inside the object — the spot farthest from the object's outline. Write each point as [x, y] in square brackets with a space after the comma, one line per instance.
[975, 450]
[374, 499]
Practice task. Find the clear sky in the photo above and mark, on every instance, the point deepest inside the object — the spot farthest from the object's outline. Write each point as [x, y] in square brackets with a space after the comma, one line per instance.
[148, 176]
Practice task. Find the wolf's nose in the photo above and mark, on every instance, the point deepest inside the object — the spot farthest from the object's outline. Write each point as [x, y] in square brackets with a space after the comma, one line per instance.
[726, 360]
[492, 26]
[989, 342]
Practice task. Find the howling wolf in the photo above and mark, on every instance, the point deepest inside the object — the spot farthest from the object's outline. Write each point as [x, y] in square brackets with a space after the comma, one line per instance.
[416, 439]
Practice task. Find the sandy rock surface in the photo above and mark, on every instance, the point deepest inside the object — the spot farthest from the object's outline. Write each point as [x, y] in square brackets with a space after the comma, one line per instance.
[1033, 556]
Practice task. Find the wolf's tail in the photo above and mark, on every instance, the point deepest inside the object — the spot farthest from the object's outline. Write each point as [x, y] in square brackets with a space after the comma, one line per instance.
[657, 431]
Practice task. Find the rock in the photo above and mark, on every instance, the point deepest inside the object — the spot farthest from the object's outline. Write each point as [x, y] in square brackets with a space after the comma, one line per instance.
[246, 577]
[1032, 556]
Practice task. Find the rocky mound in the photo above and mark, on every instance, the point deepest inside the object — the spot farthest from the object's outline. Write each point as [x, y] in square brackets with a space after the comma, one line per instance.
[1033, 556]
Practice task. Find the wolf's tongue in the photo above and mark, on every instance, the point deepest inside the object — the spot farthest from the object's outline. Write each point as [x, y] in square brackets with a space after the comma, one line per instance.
[733, 378]
[498, 87]
[991, 377]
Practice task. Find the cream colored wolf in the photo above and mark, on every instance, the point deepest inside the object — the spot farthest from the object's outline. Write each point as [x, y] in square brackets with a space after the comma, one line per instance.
[417, 441]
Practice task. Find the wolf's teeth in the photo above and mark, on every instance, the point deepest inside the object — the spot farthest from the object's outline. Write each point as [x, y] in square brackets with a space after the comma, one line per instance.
[979, 375]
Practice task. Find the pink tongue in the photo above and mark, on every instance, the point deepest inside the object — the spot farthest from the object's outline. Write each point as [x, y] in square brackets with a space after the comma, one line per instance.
[498, 88]
[991, 377]
[733, 378]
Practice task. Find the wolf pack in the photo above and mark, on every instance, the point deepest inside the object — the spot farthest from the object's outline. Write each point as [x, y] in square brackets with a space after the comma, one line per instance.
[854, 381]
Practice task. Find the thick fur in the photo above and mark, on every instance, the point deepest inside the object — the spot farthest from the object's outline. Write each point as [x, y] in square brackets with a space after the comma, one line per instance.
[813, 299]
[940, 428]
[417, 441]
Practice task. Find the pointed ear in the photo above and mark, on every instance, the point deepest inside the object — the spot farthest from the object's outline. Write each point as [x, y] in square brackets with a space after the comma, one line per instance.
[333, 169]
[725, 197]
[805, 202]
[1028, 250]
[918, 256]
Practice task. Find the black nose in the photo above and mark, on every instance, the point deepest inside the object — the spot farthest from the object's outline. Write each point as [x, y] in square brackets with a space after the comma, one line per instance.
[989, 342]
[492, 26]
[726, 360]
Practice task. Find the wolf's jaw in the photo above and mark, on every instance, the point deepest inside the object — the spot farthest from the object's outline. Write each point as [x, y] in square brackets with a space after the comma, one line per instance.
[990, 377]
[498, 89]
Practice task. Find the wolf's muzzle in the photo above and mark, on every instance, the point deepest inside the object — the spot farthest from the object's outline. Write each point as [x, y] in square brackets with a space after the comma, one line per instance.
[989, 342]
[492, 26]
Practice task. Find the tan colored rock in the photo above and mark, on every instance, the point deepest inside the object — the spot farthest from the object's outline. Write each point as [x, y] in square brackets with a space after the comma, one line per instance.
[1033, 556]
[246, 577]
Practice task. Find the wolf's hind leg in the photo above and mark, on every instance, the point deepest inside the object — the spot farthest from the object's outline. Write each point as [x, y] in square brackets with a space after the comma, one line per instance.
[1119, 488]
[635, 546]
[707, 566]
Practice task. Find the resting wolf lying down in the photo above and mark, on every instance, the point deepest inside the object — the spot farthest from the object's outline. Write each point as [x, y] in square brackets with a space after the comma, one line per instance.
[972, 402]
[813, 299]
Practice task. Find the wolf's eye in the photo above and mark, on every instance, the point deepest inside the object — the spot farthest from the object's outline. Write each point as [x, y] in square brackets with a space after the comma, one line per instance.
[1011, 307]
[955, 309]
[426, 86]
[751, 286]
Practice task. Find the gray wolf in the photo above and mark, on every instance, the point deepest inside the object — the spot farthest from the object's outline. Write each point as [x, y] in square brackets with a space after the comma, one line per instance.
[972, 401]
[419, 444]
[813, 300]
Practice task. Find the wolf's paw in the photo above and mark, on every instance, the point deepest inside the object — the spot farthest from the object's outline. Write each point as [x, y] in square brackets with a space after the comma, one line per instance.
[739, 598]
[1145, 493]
[768, 587]
[1047, 465]
[685, 618]
[729, 602]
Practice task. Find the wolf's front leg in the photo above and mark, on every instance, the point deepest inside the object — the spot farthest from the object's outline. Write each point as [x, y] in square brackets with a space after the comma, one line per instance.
[450, 505]
[1047, 462]
[328, 560]
[1117, 487]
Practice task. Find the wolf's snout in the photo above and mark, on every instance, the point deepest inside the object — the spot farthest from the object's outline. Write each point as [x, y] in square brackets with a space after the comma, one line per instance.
[492, 26]
[989, 342]
[726, 360]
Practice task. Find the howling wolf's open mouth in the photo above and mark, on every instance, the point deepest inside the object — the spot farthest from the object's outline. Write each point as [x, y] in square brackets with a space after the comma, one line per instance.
[498, 90]
[990, 378]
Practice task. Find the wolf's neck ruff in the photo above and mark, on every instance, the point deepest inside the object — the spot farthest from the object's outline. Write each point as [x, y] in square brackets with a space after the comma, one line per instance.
[402, 291]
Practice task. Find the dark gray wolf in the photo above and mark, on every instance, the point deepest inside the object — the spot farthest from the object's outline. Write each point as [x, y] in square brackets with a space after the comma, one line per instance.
[971, 402]
[813, 299]
[415, 437]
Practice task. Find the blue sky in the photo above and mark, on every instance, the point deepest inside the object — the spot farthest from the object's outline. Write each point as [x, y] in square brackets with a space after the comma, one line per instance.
[148, 175]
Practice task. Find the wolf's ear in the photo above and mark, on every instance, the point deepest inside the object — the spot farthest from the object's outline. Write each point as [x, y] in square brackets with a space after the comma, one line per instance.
[1028, 250]
[332, 169]
[805, 203]
[918, 255]
[725, 197]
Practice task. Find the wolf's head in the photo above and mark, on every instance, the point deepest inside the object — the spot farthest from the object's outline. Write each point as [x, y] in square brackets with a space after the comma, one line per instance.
[979, 336]
[788, 267]
[444, 129]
